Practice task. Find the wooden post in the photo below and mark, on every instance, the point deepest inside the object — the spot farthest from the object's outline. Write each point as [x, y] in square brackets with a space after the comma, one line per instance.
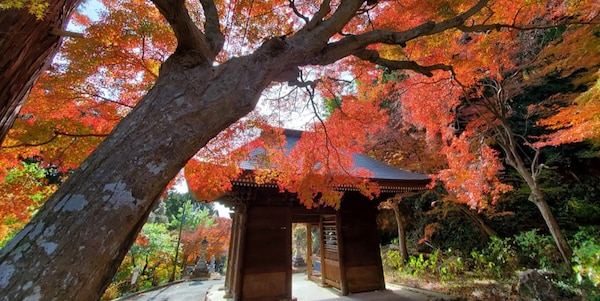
[309, 262]
[340, 241]
[238, 277]
[232, 254]
[288, 251]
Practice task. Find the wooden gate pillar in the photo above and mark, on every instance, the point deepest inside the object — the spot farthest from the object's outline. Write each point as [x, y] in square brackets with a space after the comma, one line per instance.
[232, 255]
[267, 271]
[235, 260]
[361, 257]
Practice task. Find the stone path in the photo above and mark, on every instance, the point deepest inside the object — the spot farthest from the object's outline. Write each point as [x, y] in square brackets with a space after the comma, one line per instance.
[306, 290]
[191, 290]
[302, 289]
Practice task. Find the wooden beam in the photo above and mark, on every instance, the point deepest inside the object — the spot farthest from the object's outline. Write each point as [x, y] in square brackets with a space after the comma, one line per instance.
[309, 262]
[288, 251]
[238, 274]
[313, 218]
[322, 243]
[233, 254]
[340, 241]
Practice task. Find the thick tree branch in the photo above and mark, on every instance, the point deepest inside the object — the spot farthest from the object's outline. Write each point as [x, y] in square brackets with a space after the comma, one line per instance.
[189, 37]
[460, 19]
[323, 29]
[324, 10]
[55, 135]
[373, 57]
[65, 33]
[212, 28]
[353, 44]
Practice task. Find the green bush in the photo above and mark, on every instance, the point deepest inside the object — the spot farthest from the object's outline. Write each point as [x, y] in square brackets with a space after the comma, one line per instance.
[451, 267]
[537, 251]
[437, 265]
[586, 259]
[416, 265]
[498, 260]
[392, 260]
[501, 258]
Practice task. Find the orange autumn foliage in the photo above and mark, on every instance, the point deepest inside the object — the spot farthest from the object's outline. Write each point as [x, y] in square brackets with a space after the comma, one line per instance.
[217, 235]
[577, 122]
[91, 85]
[579, 119]
[313, 168]
[432, 102]
[22, 192]
[97, 81]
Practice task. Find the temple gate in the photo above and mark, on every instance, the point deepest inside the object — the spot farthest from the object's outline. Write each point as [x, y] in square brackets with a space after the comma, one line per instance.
[260, 253]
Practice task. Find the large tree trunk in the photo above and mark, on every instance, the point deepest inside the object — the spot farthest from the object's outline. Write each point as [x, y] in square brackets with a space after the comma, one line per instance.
[73, 246]
[563, 246]
[27, 46]
[537, 197]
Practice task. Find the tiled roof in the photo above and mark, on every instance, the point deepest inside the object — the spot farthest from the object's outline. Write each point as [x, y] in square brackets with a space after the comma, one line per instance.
[380, 170]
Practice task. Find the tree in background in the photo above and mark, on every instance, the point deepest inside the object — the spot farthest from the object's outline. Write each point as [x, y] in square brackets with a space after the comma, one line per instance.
[161, 252]
[473, 119]
[574, 57]
[29, 40]
[189, 220]
[185, 215]
[204, 87]
[407, 146]
[154, 253]
[196, 211]
[148, 262]
[216, 233]
[392, 204]
[22, 191]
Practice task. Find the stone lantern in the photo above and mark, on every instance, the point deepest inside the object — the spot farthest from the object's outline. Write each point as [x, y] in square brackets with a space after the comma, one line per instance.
[201, 268]
[298, 261]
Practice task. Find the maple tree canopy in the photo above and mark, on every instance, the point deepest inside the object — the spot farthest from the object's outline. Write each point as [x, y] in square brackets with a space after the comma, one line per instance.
[262, 168]
[216, 59]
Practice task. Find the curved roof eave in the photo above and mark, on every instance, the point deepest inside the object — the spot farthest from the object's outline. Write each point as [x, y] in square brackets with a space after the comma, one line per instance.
[389, 178]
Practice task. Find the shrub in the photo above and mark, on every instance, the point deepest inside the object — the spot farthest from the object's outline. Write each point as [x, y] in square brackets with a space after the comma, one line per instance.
[392, 259]
[586, 259]
[437, 265]
[497, 260]
[537, 251]
[451, 267]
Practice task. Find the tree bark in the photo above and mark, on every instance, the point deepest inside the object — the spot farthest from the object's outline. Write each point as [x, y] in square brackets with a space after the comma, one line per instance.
[401, 233]
[73, 246]
[71, 249]
[536, 195]
[563, 246]
[392, 204]
[27, 46]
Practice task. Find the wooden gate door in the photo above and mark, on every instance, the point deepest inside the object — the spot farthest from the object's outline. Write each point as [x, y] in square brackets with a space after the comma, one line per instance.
[330, 263]
[267, 267]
